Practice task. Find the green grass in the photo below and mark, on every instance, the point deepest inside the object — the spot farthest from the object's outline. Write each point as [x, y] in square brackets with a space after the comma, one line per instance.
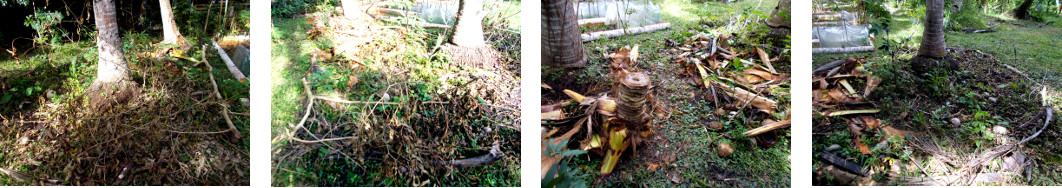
[1029, 49]
[64, 68]
[683, 132]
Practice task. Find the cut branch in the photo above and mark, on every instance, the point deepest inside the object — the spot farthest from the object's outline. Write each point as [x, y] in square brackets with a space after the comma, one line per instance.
[766, 128]
[214, 83]
[232, 67]
[621, 32]
[844, 49]
[485, 159]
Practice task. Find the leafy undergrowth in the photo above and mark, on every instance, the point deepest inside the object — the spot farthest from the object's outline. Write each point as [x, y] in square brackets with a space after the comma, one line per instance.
[964, 94]
[1018, 43]
[983, 95]
[420, 107]
[683, 151]
[52, 139]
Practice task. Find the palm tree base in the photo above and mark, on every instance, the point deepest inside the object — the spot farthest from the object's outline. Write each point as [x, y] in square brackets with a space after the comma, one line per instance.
[925, 64]
[104, 94]
[479, 56]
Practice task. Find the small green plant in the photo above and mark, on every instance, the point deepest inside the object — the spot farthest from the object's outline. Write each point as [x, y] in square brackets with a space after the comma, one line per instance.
[939, 81]
[561, 175]
[44, 22]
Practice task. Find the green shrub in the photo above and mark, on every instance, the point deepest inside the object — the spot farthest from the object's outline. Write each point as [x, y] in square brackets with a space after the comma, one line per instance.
[969, 16]
[293, 7]
[44, 23]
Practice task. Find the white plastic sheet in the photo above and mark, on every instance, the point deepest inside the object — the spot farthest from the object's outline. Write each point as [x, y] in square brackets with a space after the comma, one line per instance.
[633, 13]
[438, 12]
[842, 36]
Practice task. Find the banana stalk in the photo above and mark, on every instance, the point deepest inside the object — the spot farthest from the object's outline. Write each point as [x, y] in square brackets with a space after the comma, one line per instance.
[618, 143]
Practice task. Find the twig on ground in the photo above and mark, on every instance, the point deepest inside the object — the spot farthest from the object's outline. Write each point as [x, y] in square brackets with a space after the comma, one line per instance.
[494, 155]
[225, 108]
[215, 132]
[927, 174]
[309, 107]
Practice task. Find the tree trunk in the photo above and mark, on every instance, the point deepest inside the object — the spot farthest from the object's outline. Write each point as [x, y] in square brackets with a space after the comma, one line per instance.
[984, 6]
[1022, 12]
[169, 27]
[468, 31]
[956, 5]
[112, 72]
[562, 45]
[780, 16]
[111, 66]
[933, 36]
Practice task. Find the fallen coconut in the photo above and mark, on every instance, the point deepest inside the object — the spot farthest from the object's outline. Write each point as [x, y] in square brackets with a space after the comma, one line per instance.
[725, 150]
[716, 125]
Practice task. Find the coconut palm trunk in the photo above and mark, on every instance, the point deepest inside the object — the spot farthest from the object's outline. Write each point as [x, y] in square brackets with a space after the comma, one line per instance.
[111, 67]
[933, 35]
[170, 34]
[932, 52]
[112, 84]
[562, 45]
[468, 30]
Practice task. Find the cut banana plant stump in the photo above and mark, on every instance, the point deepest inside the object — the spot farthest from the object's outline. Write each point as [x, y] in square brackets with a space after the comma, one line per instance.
[633, 91]
[633, 117]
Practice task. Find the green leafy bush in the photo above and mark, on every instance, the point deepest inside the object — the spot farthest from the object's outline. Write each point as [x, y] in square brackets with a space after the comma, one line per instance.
[293, 7]
[44, 23]
[969, 16]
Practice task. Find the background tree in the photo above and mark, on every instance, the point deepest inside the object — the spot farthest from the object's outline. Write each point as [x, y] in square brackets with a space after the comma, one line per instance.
[931, 53]
[562, 45]
[1022, 12]
[781, 14]
[468, 29]
[170, 34]
[933, 35]
[112, 73]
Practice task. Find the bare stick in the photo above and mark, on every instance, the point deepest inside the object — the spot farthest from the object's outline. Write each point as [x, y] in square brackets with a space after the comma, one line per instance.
[309, 107]
[352, 102]
[215, 132]
[494, 155]
[232, 67]
[620, 32]
[214, 83]
[766, 128]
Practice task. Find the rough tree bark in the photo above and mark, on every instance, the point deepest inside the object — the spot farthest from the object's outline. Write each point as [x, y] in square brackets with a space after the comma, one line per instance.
[112, 84]
[1022, 12]
[932, 52]
[562, 44]
[468, 30]
[933, 35]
